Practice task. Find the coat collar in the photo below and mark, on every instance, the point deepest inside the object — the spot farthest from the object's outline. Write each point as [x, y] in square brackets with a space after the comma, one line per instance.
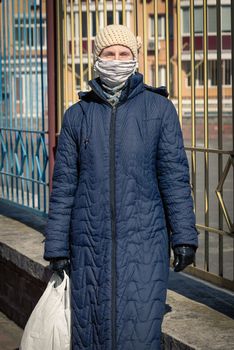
[133, 86]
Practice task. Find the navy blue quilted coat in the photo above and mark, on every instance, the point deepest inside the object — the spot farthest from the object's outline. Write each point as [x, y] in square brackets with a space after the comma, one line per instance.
[121, 193]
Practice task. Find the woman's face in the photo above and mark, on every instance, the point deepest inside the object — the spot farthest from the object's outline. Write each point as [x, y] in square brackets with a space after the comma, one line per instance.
[116, 52]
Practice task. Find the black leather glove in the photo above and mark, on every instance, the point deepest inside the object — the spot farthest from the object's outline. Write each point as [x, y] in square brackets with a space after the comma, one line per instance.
[58, 265]
[184, 255]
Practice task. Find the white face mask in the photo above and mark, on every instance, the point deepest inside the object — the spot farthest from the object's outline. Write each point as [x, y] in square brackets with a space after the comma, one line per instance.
[115, 72]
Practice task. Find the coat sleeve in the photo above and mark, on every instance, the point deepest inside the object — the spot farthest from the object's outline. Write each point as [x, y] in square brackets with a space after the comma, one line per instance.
[174, 180]
[64, 184]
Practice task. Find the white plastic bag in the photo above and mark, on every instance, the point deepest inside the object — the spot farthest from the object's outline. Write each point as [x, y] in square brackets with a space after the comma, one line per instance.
[49, 325]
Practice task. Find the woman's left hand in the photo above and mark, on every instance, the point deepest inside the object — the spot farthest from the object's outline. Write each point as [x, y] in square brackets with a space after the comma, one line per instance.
[184, 255]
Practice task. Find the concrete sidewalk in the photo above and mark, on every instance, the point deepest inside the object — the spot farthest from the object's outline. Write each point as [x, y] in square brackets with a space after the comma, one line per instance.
[198, 315]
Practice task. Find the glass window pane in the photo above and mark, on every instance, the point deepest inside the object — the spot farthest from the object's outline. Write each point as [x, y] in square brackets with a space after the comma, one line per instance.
[185, 20]
[212, 20]
[161, 27]
[84, 24]
[93, 14]
[198, 20]
[151, 26]
[120, 15]
[109, 17]
[226, 19]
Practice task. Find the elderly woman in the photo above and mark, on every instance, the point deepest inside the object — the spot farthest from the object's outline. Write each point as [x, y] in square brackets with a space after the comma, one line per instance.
[121, 194]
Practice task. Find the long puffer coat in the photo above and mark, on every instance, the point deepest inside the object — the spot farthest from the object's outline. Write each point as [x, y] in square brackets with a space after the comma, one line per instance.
[121, 193]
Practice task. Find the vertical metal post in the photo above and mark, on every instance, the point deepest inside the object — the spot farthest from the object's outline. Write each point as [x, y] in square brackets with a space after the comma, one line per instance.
[156, 41]
[124, 11]
[206, 135]
[232, 38]
[167, 46]
[220, 126]
[145, 42]
[51, 69]
[59, 64]
[179, 70]
[193, 130]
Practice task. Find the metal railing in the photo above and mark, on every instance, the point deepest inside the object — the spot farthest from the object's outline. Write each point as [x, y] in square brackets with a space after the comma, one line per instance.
[187, 46]
[23, 98]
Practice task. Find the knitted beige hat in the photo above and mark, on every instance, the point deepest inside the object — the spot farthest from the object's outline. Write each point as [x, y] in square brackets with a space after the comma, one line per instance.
[116, 34]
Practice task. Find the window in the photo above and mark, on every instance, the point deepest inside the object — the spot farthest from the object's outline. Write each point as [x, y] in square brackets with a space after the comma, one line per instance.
[212, 19]
[198, 20]
[226, 18]
[30, 34]
[185, 20]
[161, 26]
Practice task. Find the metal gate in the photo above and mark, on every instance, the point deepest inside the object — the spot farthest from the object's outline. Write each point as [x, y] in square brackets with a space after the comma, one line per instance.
[187, 46]
[23, 104]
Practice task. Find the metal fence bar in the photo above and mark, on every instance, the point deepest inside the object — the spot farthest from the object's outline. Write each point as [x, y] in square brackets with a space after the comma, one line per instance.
[145, 42]
[105, 12]
[193, 119]
[88, 40]
[10, 95]
[97, 15]
[220, 126]
[167, 46]
[73, 52]
[124, 11]
[65, 73]
[232, 49]
[179, 65]
[81, 47]
[114, 11]
[156, 41]
[206, 136]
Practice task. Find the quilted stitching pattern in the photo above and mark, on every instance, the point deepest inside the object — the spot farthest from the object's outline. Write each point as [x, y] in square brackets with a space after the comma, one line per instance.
[151, 186]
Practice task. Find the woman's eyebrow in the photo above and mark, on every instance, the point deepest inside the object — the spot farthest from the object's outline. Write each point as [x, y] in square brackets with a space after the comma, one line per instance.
[108, 53]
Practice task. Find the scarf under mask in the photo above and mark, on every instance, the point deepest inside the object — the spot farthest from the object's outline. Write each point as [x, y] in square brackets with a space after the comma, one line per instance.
[114, 73]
